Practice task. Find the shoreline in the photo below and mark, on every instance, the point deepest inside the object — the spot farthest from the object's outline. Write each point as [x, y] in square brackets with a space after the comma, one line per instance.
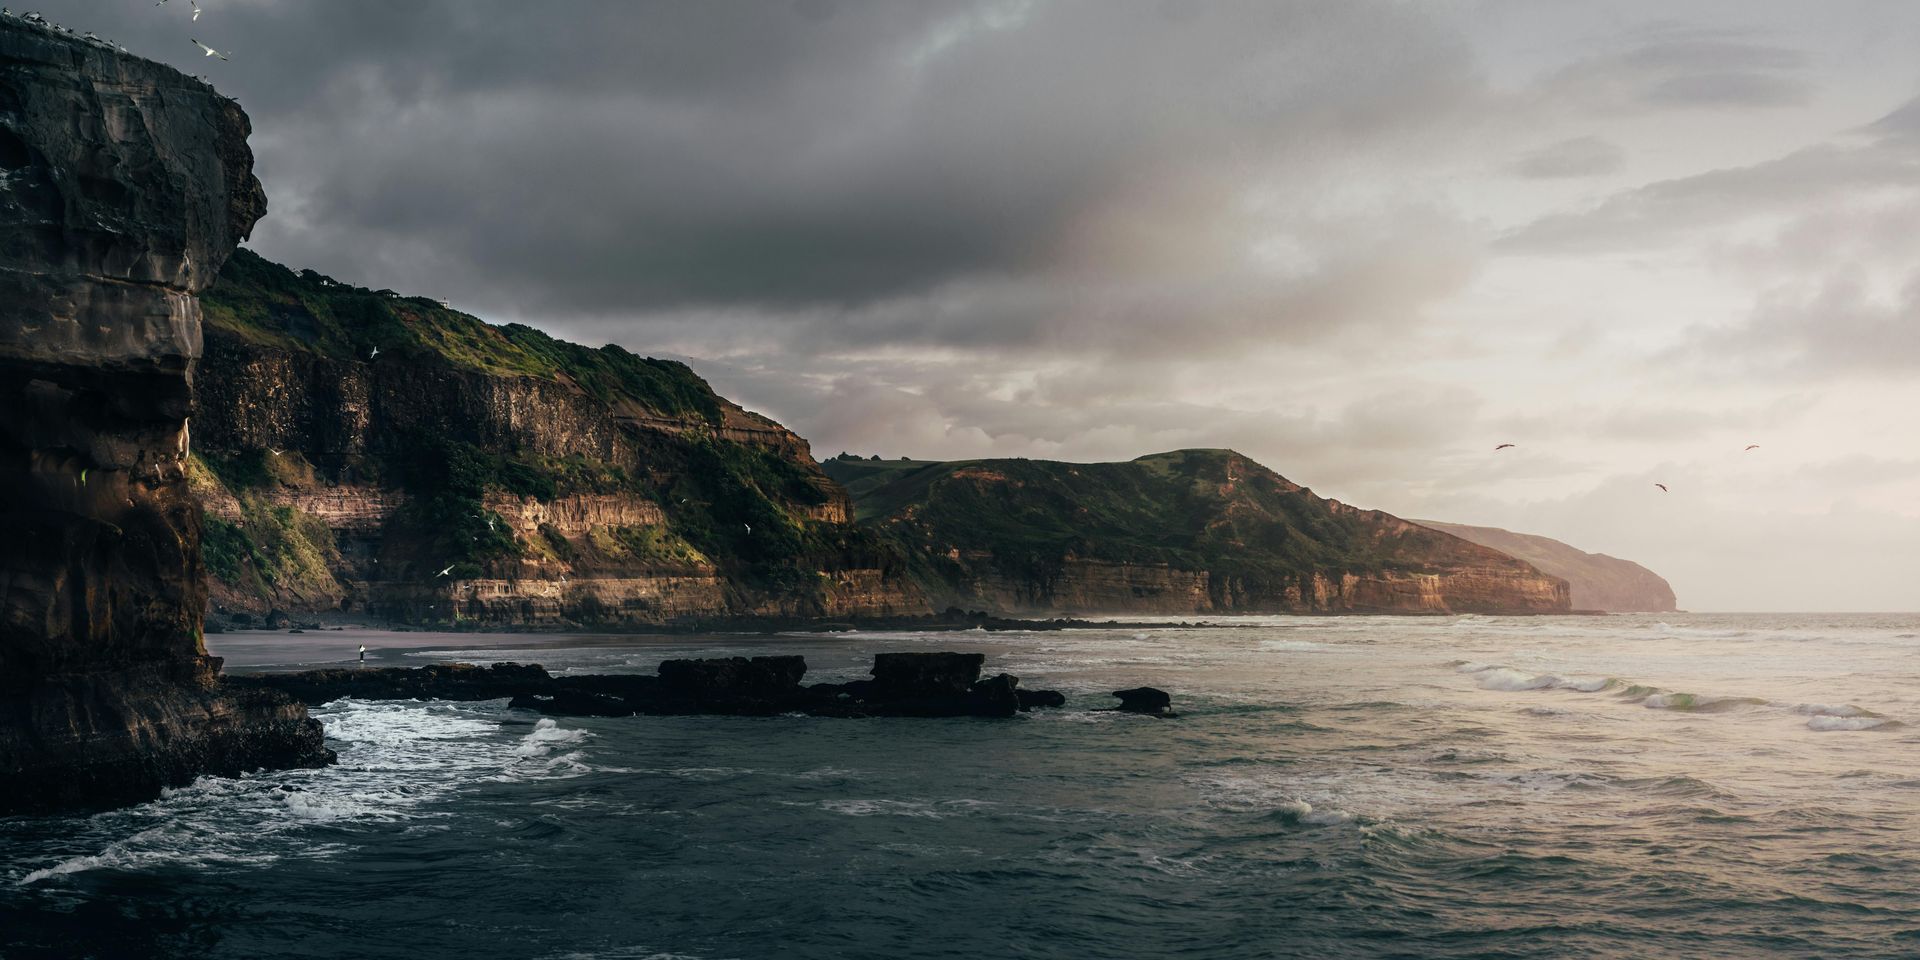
[928, 623]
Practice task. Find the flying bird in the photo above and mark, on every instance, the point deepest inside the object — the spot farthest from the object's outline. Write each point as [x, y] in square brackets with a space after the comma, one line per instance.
[1662, 486]
[1503, 446]
[375, 353]
[749, 527]
[211, 52]
[196, 9]
[444, 572]
[1753, 446]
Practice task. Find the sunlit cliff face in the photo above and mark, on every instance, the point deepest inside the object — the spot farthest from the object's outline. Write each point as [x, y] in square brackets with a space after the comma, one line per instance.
[1360, 242]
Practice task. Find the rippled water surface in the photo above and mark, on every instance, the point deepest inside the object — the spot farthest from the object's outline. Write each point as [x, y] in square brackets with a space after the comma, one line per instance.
[1632, 786]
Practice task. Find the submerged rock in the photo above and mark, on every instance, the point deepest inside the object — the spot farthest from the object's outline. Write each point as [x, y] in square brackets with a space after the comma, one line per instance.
[124, 185]
[1150, 700]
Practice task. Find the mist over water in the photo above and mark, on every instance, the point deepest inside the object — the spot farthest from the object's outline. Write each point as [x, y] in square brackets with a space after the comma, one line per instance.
[1646, 786]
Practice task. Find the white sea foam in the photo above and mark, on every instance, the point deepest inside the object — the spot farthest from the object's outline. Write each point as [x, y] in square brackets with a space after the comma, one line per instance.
[1841, 716]
[546, 735]
[1846, 723]
[920, 809]
[1496, 677]
[1284, 646]
[397, 762]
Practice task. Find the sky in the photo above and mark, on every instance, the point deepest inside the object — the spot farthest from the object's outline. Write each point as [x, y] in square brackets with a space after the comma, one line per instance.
[1361, 242]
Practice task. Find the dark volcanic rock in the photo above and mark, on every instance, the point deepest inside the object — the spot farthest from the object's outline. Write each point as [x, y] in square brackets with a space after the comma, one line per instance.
[1145, 700]
[124, 185]
[918, 685]
[1041, 698]
[925, 674]
[438, 681]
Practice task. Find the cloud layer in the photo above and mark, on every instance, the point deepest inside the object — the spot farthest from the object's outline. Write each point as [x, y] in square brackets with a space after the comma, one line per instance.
[1362, 241]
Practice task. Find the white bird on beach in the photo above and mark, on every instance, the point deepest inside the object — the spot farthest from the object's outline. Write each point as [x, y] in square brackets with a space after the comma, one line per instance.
[211, 52]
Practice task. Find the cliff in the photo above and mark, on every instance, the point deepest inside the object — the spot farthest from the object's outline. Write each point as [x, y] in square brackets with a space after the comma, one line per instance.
[1598, 582]
[362, 450]
[1192, 531]
[124, 185]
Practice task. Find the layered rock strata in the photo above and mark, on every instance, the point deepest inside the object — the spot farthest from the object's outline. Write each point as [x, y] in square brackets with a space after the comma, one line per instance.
[1184, 532]
[1597, 582]
[365, 451]
[124, 185]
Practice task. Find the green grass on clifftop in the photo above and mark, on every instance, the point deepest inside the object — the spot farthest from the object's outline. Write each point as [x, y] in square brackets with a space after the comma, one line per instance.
[1211, 510]
[269, 304]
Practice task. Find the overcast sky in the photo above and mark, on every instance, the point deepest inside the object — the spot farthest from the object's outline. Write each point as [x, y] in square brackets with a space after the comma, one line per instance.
[1360, 242]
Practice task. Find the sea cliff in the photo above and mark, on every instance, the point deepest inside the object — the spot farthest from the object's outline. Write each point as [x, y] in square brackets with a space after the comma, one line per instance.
[365, 451]
[1597, 581]
[1190, 531]
[124, 185]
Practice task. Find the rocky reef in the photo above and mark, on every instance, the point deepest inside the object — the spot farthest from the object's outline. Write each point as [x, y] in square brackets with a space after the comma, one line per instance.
[124, 185]
[1598, 582]
[902, 685]
[1190, 531]
[367, 451]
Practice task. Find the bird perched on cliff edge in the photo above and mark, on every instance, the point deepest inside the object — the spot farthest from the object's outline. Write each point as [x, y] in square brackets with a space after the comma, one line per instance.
[211, 52]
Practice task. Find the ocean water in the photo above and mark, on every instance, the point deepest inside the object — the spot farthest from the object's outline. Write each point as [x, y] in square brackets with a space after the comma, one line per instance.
[1632, 786]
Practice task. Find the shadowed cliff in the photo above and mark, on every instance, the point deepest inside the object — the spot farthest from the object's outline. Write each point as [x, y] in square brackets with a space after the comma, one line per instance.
[124, 185]
[1191, 531]
[1598, 582]
[367, 451]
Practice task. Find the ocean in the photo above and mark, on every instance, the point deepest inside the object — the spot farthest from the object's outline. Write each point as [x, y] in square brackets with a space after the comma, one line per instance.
[1639, 786]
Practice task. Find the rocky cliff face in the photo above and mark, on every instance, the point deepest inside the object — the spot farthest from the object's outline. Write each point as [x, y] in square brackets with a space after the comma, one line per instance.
[367, 451]
[1192, 531]
[124, 185]
[1598, 582]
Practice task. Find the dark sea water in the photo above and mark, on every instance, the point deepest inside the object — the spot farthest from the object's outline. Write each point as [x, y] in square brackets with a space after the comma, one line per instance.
[1675, 786]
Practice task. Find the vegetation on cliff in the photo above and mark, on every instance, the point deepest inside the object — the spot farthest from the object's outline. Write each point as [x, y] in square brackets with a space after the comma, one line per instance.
[270, 304]
[313, 387]
[1254, 534]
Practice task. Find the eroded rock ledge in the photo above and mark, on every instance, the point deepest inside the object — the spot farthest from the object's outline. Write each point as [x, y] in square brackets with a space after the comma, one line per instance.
[903, 685]
[124, 185]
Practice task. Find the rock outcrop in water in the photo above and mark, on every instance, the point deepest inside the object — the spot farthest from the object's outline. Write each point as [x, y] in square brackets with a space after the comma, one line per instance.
[367, 451]
[1191, 531]
[903, 685]
[1596, 581]
[124, 185]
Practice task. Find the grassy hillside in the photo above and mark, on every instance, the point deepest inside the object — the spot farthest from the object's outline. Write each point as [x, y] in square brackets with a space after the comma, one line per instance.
[1199, 510]
[269, 304]
[442, 420]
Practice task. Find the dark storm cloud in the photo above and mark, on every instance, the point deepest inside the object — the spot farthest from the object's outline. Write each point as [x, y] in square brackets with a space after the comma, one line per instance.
[617, 159]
